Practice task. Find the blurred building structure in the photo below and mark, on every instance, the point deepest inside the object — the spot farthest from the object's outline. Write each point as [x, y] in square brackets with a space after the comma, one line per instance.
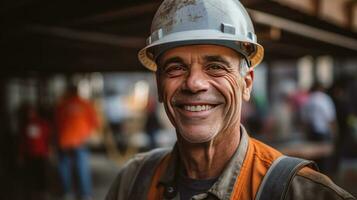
[46, 45]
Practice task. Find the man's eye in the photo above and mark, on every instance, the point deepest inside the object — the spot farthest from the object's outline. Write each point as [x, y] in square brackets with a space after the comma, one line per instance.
[216, 69]
[215, 66]
[175, 70]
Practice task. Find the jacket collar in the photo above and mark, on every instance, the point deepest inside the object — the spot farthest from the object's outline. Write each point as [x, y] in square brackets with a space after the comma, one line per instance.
[224, 186]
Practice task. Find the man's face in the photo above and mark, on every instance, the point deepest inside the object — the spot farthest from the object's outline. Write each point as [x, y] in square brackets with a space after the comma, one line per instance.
[202, 90]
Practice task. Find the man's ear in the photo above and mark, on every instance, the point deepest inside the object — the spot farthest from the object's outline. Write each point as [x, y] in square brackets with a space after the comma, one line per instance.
[248, 79]
[158, 86]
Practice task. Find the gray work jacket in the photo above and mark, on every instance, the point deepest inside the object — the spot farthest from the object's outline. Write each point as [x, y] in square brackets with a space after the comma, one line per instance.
[305, 186]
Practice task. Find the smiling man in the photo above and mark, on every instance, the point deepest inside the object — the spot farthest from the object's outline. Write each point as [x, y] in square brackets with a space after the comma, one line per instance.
[203, 53]
[201, 88]
[202, 91]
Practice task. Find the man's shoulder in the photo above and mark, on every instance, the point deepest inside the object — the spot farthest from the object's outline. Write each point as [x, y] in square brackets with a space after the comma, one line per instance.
[310, 184]
[141, 157]
[307, 184]
[127, 175]
[134, 164]
[263, 152]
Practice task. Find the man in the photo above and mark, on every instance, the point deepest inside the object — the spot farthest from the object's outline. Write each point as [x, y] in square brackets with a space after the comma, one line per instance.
[204, 52]
[76, 120]
[319, 114]
[319, 117]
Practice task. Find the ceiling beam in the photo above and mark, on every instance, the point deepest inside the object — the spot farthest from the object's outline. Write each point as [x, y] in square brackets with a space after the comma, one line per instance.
[349, 9]
[131, 11]
[87, 36]
[304, 30]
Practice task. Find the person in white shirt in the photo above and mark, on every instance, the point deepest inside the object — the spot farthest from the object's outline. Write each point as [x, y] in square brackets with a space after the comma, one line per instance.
[319, 114]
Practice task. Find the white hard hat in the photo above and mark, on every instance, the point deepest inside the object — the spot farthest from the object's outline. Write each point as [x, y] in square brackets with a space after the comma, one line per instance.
[189, 22]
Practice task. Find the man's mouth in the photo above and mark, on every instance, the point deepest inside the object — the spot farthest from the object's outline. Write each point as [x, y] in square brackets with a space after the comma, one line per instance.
[197, 108]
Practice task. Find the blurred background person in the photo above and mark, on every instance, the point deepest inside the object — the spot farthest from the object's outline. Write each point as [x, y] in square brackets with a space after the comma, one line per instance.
[345, 115]
[34, 151]
[76, 120]
[115, 112]
[152, 123]
[319, 117]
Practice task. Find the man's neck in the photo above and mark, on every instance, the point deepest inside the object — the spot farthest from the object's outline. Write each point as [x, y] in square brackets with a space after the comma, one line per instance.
[207, 160]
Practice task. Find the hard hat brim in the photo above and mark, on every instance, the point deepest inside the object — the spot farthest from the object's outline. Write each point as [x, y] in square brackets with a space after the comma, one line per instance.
[148, 55]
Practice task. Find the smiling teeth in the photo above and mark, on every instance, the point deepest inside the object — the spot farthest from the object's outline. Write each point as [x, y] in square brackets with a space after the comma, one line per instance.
[198, 108]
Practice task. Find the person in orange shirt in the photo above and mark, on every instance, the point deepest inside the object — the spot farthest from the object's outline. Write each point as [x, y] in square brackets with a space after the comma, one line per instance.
[76, 120]
[203, 53]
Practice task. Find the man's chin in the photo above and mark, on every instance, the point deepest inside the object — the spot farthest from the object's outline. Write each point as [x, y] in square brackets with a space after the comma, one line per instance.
[197, 138]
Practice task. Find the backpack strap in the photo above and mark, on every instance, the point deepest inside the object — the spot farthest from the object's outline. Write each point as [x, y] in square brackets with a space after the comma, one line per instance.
[145, 174]
[278, 178]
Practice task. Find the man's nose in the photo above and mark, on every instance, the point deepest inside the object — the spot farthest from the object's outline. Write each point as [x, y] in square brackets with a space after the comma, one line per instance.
[196, 80]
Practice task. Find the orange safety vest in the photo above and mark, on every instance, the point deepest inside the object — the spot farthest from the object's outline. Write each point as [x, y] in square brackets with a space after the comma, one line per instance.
[257, 161]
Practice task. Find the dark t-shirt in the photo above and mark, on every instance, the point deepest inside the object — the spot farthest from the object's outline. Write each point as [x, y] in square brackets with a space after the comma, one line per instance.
[188, 187]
